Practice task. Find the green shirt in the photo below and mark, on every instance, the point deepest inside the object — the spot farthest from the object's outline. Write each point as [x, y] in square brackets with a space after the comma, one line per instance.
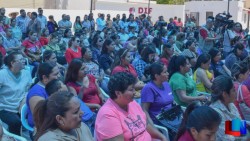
[182, 82]
[55, 48]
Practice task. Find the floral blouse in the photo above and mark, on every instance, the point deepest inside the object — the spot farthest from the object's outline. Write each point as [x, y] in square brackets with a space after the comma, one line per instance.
[226, 114]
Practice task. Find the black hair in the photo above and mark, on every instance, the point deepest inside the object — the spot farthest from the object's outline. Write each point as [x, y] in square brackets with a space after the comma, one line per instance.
[202, 59]
[106, 43]
[175, 63]
[155, 68]
[120, 82]
[198, 117]
[72, 39]
[46, 111]
[221, 84]
[189, 43]
[149, 49]
[239, 46]
[239, 68]
[53, 86]
[121, 54]
[9, 58]
[65, 32]
[73, 69]
[34, 13]
[213, 53]
[47, 54]
[44, 69]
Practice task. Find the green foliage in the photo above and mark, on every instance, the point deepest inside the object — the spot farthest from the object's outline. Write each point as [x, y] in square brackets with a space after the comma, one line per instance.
[176, 2]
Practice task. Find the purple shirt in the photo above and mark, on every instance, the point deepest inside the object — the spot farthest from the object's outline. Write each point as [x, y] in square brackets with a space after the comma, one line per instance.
[157, 97]
[36, 90]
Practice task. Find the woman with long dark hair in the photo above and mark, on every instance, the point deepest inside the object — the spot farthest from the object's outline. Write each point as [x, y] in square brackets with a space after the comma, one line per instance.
[223, 96]
[76, 76]
[217, 66]
[46, 72]
[147, 57]
[199, 123]
[234, 56]
[157, 94]
[77, 25]
[202, 76]
[240, 72]
[107, 57]
[74, 50]
[182, 85]
[59, 118]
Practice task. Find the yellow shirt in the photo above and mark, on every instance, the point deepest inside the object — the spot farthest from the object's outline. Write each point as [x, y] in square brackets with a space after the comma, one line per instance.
[199, 85]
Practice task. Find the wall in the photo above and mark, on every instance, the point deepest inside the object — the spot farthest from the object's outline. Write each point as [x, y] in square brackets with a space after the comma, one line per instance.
[167, 11]
[235, 9]
[47, 4]
[73, 13]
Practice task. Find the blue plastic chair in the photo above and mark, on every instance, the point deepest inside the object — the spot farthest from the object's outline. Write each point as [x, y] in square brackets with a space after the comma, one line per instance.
[19, 138]
[23, 118]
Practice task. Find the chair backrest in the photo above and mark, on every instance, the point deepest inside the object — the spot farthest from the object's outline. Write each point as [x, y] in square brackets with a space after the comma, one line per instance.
[23, 118]
[19, 138]
[103, 93]
[163, 130]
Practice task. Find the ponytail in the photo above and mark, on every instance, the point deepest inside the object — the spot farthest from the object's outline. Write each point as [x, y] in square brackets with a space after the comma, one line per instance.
[183, 125]
[198, 117]
[175, 63]
[39, 116]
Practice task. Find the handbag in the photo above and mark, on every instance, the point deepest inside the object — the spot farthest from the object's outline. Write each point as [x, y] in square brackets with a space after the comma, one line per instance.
[245, 110]
[171, 118]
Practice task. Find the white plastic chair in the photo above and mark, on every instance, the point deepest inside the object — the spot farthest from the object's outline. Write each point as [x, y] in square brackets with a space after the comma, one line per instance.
[104, 94]
[164, 130]
[19, 138]
[23, 118]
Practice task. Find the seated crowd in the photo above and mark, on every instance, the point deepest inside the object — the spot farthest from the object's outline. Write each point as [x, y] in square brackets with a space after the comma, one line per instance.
[112, 78]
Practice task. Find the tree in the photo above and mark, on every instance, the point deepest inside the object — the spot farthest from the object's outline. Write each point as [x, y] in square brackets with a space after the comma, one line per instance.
[176, 2]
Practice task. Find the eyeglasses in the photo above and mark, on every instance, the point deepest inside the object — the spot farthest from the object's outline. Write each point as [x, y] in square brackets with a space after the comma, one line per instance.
[19, 60]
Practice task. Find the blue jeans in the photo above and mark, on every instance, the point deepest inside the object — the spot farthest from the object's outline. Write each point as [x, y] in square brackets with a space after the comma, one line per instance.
[91, 123]
[13, 121]
[35, 64]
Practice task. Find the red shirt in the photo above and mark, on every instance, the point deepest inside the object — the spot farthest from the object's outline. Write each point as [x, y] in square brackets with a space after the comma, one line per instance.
[164, 61]
[70, 54]
[2, 50]
[44, 41]
[90, 94]
[130, 69]
[186, 137]
[32, 46]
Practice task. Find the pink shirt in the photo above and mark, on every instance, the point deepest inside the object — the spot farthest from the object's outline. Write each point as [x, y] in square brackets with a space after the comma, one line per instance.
[113, 121]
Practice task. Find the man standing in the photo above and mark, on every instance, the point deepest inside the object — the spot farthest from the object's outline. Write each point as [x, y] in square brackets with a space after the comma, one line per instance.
[2, 14]
[34, 24]
[64, 23]
[100, 22]
[42, 18]
[207, 36]
[22, 22]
